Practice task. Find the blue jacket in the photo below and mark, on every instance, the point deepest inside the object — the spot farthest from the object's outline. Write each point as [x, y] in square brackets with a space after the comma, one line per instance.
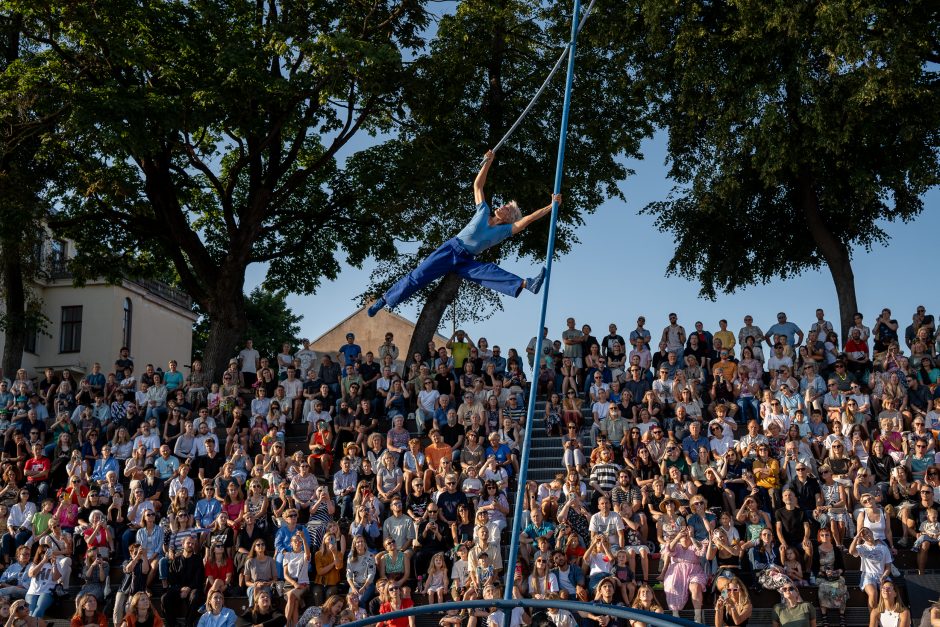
[103, 466]
[207, 510]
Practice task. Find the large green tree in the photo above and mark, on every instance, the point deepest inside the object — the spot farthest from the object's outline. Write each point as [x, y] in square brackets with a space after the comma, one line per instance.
[28, 109]
[205, 134]
[484, 64]
[796, 130]
[270, 323]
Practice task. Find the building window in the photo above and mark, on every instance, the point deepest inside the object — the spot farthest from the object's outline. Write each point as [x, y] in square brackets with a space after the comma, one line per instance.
[31, 340]
[57, 255]
[128, 322]
[70, 336]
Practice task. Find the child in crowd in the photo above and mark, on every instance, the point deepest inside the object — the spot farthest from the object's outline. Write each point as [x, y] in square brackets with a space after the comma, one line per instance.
[792, 566]
[624, 575]
[437, 582]
[929, 531]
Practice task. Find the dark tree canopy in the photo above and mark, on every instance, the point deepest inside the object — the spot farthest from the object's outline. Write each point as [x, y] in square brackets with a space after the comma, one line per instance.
[485, 63]
[796, 130]
[204, 135]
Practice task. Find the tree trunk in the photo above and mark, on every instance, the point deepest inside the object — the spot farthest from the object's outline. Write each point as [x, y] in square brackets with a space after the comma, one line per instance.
[429, 321]
[833, 251]
[14, 302]
[227, 325]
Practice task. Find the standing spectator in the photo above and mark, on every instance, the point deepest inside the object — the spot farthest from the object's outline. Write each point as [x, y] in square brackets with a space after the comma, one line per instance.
[674, 336]
[349, 352]
[792, 332]
[249, 363]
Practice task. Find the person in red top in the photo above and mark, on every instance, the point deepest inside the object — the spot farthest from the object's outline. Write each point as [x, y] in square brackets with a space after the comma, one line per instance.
[219, 569]
[396, 602]
[36, 469]
[321, 445]
[856, 354]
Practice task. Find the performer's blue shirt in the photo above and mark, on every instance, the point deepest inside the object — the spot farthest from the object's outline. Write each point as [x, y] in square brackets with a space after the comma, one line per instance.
[479, 235]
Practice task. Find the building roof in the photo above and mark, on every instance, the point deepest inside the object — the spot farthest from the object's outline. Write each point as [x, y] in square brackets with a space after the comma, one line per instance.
[370, 332]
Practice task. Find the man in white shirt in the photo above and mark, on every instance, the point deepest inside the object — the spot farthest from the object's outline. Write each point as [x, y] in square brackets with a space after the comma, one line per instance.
[778, 360]
[149, 440]
[308, 358]
[182, 480]
[822, 326]
[202, 435]
[608, 523]
[864, 331]
[293, 392]
[249, 359]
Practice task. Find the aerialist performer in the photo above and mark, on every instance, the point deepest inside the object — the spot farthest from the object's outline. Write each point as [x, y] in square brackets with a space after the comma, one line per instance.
[459, 253]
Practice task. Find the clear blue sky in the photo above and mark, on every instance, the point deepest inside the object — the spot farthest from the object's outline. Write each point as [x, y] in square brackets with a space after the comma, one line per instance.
[592, 284]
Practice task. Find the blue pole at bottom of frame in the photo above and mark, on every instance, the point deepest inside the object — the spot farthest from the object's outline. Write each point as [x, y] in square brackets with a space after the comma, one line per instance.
[650, 618]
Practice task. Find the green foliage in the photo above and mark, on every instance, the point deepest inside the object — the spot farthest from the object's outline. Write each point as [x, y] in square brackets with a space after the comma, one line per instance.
[204, 133]
[484, 65]
[782, 113]
[270, 323]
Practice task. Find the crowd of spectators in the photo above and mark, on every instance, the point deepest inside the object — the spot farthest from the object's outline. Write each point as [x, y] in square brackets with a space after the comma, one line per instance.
[325, 488]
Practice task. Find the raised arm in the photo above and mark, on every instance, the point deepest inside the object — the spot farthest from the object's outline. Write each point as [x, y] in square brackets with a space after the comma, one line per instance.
[480, 180]
[525, 221]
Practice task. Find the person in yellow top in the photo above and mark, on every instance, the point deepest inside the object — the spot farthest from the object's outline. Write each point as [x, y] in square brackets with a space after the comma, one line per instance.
[459, 346]
[767, 476]
[726, 336]
[330, 568]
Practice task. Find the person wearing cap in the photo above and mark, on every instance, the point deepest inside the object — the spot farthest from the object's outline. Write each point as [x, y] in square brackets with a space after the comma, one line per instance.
[349, 352]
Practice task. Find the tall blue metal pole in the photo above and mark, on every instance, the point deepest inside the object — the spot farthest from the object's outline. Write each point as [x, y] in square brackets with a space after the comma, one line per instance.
[550, 253]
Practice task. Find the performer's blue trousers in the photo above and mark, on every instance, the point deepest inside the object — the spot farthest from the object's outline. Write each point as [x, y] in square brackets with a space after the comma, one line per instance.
[453, 257]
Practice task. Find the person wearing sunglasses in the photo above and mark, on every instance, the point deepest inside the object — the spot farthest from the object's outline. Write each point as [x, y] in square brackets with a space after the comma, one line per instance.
[733, 606]
[792, 609]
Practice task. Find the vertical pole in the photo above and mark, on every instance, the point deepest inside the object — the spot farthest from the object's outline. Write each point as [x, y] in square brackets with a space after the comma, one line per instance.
[510, 571]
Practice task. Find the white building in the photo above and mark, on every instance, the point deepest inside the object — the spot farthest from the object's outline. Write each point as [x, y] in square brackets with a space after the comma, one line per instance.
[90, 324]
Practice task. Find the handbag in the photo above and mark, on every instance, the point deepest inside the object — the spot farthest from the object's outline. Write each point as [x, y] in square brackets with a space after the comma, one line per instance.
[773, 578]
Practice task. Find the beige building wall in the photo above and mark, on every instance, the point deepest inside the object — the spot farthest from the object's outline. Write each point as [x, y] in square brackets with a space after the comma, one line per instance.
[370, 334]
[160, 329]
